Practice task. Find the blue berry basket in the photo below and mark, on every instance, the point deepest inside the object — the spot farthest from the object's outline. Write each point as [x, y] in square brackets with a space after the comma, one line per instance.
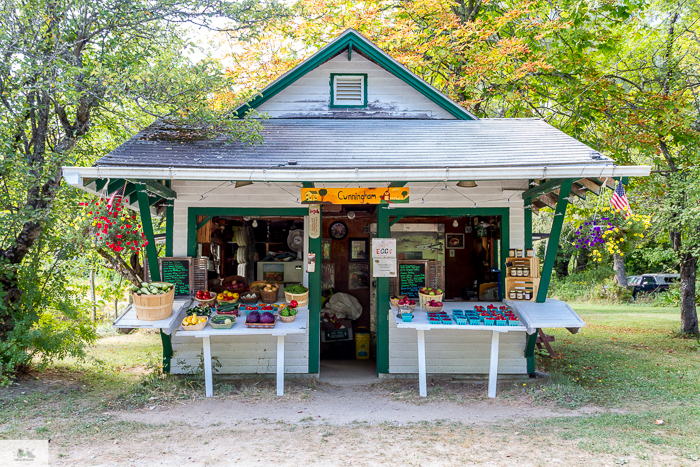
[461, 320]
[474, 321]
[513, 322]
[407, 317]
[488, 321]
[500, 322]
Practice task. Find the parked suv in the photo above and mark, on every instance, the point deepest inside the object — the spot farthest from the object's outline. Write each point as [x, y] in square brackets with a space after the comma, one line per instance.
[651, 283]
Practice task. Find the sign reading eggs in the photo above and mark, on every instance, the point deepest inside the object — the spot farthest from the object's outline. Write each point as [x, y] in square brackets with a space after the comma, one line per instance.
[354, 195]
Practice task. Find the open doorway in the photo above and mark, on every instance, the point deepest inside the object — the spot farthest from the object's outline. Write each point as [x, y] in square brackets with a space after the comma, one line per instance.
[346, 289]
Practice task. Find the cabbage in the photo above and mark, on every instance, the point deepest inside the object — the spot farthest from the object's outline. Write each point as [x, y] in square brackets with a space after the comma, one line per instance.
[253, 317]
[267, 317]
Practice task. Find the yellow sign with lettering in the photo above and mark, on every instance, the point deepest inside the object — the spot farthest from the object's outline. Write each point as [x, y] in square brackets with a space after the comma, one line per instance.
[354, 195]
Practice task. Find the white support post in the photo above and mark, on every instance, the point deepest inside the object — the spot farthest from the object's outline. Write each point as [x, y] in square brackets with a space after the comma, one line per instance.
[493, 366]
[280, 365]
[208, 382]
[422, 383]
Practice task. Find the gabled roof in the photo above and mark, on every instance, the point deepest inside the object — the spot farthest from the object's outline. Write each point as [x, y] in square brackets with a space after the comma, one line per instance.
[353, 41]
[364, 143]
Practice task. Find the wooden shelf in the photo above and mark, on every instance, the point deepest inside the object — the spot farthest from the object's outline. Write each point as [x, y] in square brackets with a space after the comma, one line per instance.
[532, 263]
[524, 284]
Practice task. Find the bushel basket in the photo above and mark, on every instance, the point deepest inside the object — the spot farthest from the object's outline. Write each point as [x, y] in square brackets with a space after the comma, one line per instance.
[154, 307]
[269, 297]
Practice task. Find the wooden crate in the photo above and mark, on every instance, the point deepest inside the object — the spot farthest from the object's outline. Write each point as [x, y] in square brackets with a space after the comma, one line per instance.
[532, 263]
[524, 284]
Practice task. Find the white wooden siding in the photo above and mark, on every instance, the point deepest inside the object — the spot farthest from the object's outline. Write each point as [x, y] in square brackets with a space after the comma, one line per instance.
[455, 352]
[243, 354]
[387, 95]
[447, 352]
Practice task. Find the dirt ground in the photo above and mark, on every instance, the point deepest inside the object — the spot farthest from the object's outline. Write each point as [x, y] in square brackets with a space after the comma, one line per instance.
[360, 425]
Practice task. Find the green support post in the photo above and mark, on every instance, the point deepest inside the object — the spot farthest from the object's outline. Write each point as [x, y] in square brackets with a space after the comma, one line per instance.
[530, 353]
[147, 224]
[167, 350]
[314, 324]
[383, 231]
[528, 223]
[553, 243]
[169, 226]
[396, 219]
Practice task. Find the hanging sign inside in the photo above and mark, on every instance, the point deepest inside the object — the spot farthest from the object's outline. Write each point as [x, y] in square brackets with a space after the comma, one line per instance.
[389, 195]
[314, 221]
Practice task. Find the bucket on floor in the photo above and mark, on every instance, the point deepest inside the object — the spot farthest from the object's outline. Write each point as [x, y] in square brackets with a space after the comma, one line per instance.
[362, 345]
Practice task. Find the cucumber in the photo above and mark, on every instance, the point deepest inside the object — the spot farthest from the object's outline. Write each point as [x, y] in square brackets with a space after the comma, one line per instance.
[144, 290]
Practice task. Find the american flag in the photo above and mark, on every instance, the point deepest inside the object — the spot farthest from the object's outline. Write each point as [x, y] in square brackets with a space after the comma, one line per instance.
[619, 200]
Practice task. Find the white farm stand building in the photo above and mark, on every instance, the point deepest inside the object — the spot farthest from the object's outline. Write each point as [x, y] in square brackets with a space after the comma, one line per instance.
[351, 116]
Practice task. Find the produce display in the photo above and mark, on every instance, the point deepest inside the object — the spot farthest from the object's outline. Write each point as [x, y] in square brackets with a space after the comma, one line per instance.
[253, 317]
[227, 309]
[204, 295]
[249, 296]
[267, 317]
[227, 296]
[434, 303]
[223, 322]
[439, 317]
[194, 320]
[430, 291]
[290, 310]
[498, 316]
[201, 310]
[296, 289]
[403, 301]
[152, 288]
[235, 285]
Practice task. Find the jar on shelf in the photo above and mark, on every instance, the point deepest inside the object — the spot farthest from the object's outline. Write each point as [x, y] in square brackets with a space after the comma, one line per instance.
[513, 272]
[512, 295]
[519, 295]
[527, 295]
[526, 272]
[520, 272]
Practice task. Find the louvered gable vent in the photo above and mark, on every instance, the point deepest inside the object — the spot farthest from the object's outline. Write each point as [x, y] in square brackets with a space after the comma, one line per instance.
[349, 90]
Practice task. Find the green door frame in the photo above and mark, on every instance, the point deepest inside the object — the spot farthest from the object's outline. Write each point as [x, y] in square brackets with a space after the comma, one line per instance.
[384, 231]
[314, 324]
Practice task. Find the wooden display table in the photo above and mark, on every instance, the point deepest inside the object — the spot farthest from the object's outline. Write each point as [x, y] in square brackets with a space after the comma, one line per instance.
[298, 326]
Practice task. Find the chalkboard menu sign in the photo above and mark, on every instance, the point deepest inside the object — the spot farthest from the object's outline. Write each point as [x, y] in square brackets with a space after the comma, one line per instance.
[411, 277]
[178, 271]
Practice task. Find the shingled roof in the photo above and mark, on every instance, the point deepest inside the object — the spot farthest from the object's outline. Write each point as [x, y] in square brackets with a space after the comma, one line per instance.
[375, 143]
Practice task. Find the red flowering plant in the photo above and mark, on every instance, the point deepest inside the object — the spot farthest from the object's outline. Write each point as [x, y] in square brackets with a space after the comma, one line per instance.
[116, 232]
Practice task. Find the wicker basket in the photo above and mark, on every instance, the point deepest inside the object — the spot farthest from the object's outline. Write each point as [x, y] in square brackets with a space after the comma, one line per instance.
[222, 325]
[208, 302]
[154, 307]
[426, 298]
[249, 300]
[301, 298]
[270, 297]
[394, 302]
[287, 319]
[239, 280]
[432, 309]
[196, 327]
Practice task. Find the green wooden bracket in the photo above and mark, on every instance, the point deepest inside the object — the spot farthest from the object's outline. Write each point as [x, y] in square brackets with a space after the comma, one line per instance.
[625, 180]
[147, 225]
[553, 243]
[204, 222]
[99, 184]
[383, 231]
[396, 219]
[307, 184]
[530, 352]
[154, 187]
[87, 181]
[528, 223]
[349, 52]
[130, 189]
[543, 188]
[114, 185]
[167, 350]
[397, 184]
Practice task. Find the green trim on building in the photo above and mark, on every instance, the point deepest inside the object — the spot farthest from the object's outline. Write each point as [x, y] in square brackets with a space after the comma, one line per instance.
[147, 226]
[307, 184]
[204, 222]
[382, 305]
[315, 305]
[530, 342]
[155, 187]
[364, 92]
[543, 188]
[167, 342]
[371, 51]
[528, 223]
[397, 184]
[553, 242]
[169, 225]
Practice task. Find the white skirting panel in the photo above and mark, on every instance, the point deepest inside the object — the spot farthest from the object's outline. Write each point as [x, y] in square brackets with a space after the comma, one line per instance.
[455, 352]
[242, 354]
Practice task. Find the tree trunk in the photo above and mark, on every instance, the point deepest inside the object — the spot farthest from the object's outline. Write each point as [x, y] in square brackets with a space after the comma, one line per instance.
[561, 265]
[689, 313]
[93, 298]
[619, 268]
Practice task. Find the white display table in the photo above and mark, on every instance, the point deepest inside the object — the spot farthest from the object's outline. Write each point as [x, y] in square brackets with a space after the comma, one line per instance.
[298, 326]
[421, 324]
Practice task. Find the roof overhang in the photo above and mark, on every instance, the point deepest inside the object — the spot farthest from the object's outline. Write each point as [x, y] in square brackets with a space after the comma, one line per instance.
[75, 175]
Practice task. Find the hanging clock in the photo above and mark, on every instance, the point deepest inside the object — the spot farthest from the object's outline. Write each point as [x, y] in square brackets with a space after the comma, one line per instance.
[338, 230]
